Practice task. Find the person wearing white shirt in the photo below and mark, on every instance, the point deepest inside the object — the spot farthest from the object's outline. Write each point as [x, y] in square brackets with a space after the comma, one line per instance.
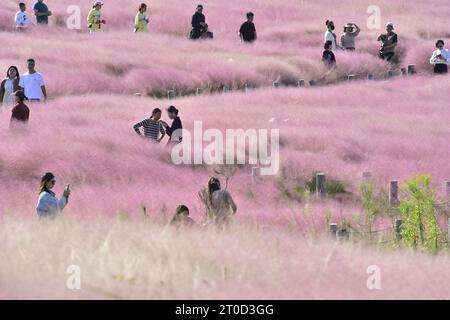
[330, 35]
[32, 83]
[49, 206]
[22, 19]
[440, 58]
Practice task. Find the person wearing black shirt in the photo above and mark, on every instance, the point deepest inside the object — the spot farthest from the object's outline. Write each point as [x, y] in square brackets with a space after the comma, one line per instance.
[198, 23]
[328, 56]
[247, 32]
[175, 130]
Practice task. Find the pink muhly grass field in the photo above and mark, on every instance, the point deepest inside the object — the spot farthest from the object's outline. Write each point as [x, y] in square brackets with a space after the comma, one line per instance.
[278, 246]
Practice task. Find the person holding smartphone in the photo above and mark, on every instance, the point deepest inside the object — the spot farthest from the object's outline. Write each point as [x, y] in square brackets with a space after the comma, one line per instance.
[49, 206]
[440, 58]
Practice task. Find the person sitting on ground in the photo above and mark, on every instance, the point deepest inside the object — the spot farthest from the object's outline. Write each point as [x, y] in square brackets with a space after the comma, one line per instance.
[48, 206]
[32, 83]
[141, 20]
[389, 42]
[351, 31]
[198, 23]
[175, 130]
[247, 31]
[41, 12]
[328, 56]
[181, 217]
[94, 18]
[152, 127]
[330, 35]
[22, 20]
[8, 86]
[221, 207]
[440, 58]
[20, 114]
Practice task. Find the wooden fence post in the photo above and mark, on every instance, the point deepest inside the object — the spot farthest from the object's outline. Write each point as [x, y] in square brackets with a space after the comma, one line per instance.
[171, 94]
[300, 83]
[333, 229]
[398, 229]
[447, 192]
[411, 69]
[320, 185]
[393, 193]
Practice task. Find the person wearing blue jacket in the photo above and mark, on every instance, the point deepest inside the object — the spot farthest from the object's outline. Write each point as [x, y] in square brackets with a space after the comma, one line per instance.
[49, 206]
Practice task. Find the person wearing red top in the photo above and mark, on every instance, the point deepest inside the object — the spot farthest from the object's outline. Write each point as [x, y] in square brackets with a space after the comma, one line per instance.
[20, 113]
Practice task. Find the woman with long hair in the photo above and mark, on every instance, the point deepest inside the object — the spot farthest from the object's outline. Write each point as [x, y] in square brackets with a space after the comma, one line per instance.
[220, 203]
[48, 205]
[8, 86]
[141, 20]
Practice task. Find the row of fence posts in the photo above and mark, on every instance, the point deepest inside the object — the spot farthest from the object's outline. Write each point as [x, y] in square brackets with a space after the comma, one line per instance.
[341, 233]
[404, 71]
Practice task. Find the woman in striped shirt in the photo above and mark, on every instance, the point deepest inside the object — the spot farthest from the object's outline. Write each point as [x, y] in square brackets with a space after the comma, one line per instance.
[152, 127]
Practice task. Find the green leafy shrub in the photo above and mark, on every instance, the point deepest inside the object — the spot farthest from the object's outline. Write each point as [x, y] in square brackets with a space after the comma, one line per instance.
[420, 226]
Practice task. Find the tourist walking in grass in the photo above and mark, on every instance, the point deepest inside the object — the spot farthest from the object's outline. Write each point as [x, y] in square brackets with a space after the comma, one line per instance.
[328, 56]
[49, 206]
[220, 204]
[181, 217]
[440, 58]
[8, 86]
[32, 83]
[20, 114]
[41, 12]
[330, 35]
[247, 31]
[175, 131]
[95, 17]
[389, 42]
[141, 20]
[351, 31]
[22, 20]
[153, 128]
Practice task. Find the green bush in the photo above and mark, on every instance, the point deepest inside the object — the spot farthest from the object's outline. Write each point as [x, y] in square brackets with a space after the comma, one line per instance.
[420, 226]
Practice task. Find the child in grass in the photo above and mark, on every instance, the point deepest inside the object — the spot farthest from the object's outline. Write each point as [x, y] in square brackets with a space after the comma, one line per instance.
[181, 217]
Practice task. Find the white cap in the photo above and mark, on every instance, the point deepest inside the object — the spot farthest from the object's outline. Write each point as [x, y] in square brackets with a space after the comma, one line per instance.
[96, 3]
[390, 24]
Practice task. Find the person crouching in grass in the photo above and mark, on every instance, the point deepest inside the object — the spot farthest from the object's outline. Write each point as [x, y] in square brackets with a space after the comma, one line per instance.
[181, 217]
[20, 113]
[152, 127]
